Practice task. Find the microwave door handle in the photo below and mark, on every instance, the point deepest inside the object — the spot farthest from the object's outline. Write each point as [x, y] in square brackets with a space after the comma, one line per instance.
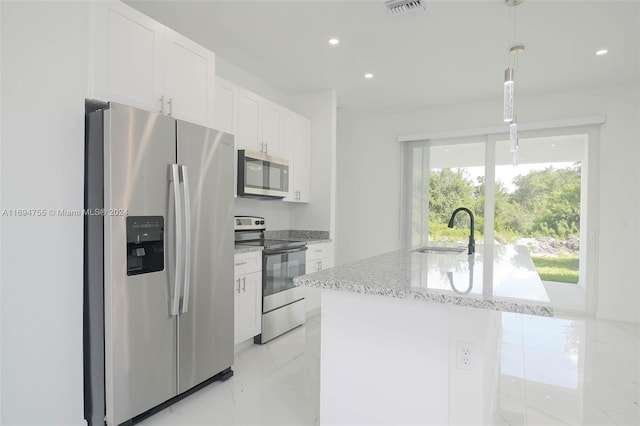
[175, 179]
[187, 236]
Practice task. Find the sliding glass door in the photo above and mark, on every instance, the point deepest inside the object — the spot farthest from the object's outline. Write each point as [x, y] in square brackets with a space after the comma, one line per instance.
[545, 200]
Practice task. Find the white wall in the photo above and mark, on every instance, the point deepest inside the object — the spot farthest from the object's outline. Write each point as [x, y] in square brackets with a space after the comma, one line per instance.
[275, 212]
[369, 181]
[43, 86]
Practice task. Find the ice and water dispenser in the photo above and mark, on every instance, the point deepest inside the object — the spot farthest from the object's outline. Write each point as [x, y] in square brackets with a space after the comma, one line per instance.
[145, 244]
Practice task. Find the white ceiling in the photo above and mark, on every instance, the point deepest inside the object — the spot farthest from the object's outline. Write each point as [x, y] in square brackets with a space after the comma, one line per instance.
[455, 51]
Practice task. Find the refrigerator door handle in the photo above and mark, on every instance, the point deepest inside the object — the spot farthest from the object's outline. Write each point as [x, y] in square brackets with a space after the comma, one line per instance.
[175, 178]
[187, 235]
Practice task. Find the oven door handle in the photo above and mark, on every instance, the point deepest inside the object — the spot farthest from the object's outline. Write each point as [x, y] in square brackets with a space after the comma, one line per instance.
[282, 251]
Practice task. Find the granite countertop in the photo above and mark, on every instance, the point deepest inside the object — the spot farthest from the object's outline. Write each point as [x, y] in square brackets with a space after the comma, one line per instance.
[310, 237]
[496, 277]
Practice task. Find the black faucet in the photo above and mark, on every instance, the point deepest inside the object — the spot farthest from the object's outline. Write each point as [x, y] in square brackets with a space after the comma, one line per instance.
[472, 241]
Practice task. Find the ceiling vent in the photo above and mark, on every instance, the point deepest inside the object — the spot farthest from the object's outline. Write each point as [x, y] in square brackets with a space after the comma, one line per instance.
[404, 7]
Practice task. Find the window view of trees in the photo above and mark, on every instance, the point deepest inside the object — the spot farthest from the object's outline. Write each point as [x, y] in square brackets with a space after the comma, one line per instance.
[540, 209]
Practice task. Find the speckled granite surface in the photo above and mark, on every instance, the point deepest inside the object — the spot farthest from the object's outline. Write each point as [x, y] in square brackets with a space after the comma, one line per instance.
[298, 235]
[496, 277]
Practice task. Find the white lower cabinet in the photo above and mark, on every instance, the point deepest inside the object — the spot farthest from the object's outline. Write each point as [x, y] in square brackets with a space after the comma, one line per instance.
[319, 257]
[247, 290]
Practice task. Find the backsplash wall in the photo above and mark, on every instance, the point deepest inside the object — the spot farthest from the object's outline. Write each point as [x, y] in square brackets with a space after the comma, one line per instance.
[276, 213]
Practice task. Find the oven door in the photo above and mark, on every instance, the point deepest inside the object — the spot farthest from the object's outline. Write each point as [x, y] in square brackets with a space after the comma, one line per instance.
[280, 267]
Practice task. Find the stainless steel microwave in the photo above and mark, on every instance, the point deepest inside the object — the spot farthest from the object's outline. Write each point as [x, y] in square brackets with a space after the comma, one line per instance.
[262, 176]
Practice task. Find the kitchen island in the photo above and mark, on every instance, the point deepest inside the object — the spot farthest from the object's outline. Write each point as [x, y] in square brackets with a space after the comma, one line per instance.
[394, 325]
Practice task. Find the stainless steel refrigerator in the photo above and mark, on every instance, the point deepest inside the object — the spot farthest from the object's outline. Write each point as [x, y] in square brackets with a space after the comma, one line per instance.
[158, 296]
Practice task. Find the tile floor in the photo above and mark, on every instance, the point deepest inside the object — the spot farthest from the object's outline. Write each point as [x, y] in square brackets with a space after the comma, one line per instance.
[549, 371]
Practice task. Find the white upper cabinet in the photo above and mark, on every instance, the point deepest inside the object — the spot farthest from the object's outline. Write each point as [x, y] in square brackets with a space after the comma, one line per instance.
[296, 131]
[249, 132]
[140, 62]
[225, 107]
[127, 56]
[270, 119]
[259, 124]
[189, 79]
[263, 126]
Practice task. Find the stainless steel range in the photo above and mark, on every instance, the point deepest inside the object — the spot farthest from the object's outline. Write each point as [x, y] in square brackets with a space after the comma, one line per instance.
[282, 260]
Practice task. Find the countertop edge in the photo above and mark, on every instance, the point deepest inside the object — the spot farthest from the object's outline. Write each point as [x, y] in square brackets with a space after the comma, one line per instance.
[496, 305]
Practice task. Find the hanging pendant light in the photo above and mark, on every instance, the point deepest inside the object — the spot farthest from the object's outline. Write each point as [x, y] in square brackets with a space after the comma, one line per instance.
[513, 136]
[509, 109]
[508, 94]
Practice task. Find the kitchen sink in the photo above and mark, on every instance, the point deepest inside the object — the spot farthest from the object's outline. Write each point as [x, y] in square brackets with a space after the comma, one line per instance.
[440, 249]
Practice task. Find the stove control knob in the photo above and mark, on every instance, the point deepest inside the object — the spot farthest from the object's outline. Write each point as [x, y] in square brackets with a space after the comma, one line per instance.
[262, 222]
[257, 222]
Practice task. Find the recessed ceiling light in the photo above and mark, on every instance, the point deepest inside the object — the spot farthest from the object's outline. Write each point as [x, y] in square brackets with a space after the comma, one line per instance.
[368, 75]
[334, 41]
[602, 52]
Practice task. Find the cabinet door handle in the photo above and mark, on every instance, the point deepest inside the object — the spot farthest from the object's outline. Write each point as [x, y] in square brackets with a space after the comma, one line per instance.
[170, 102]
[266, 149]
[320, 264]
[162, 104]
[238, 290]
[244, 283]
[241, 263]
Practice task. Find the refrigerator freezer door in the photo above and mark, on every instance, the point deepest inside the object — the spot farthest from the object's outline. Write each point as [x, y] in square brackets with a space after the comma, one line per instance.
[205, 336]
[140, 333]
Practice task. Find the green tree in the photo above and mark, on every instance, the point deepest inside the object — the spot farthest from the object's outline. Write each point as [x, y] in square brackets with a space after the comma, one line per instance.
[561, 217]
[549, 202]
[448, 190]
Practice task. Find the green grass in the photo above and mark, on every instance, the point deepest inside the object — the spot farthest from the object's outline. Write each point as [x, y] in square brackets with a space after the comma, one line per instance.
[562, 269]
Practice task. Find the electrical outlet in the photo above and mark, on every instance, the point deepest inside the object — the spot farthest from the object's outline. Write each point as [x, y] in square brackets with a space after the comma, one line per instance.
[464, 355]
